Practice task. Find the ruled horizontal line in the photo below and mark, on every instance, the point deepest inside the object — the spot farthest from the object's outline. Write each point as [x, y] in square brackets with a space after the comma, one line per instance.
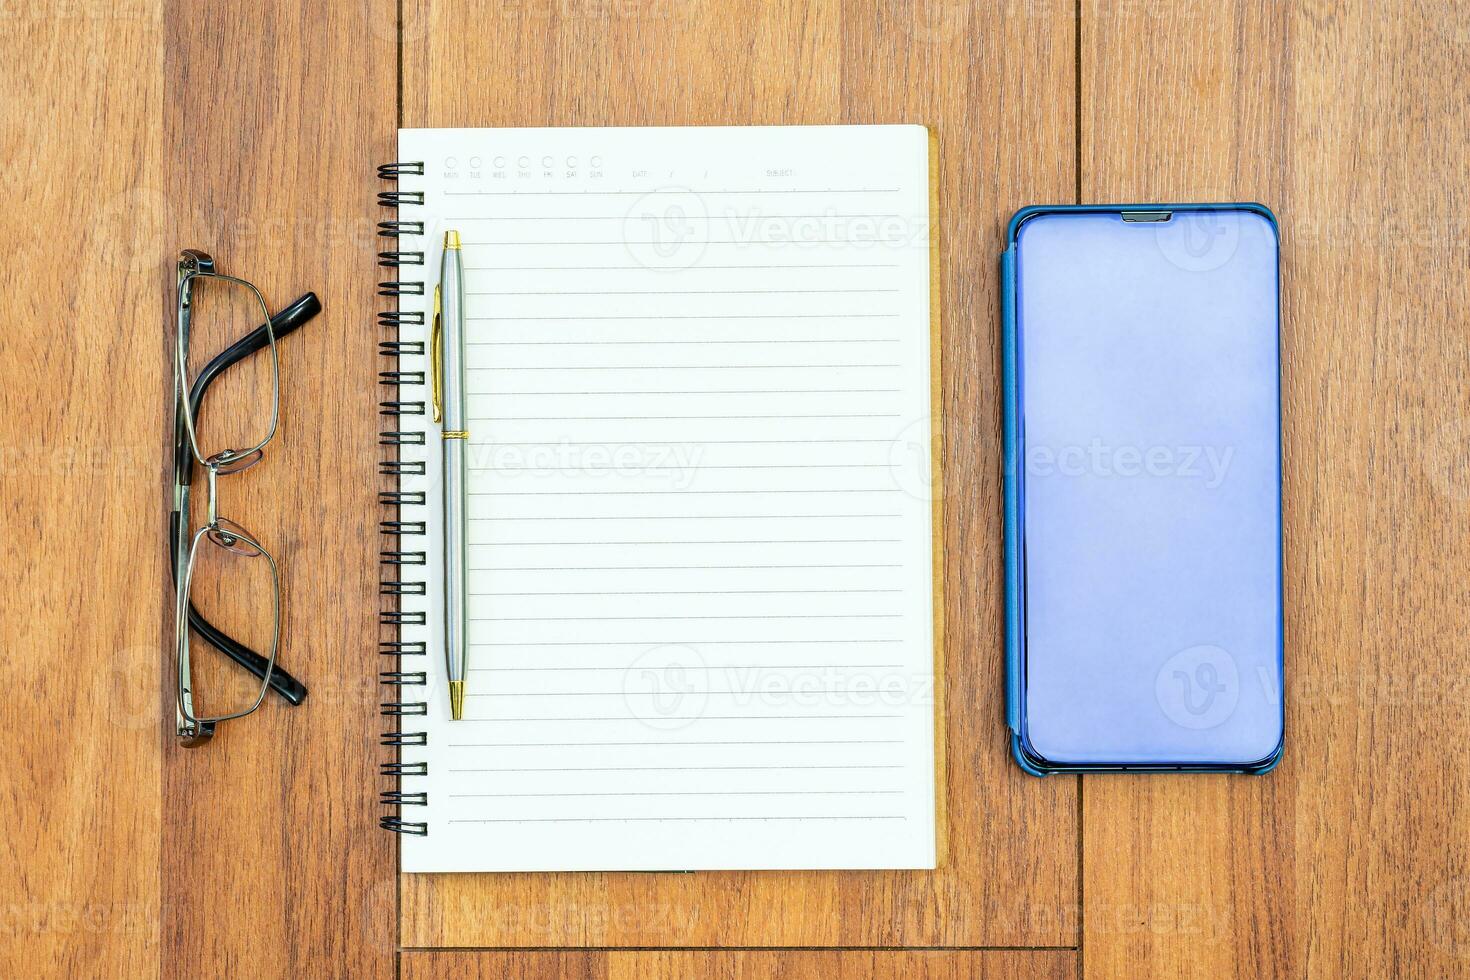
[685, 792]
[706, 592]
[866, 242]
[669, 292]
[502, 544]
[640, 643]
[692, 217]
[674, 367]
[627, 493]
[680, 469]
[533, 670]
[702, 442]
[659, 819]
[606, 619]
[701, 316]
[681, 418]
[686, 517]
[622, 694]
[646, 744]
[708, 391]
[804, 717]
[673, 768]
[650, 343]
[698, 267]
[658, 568]
[676, 193]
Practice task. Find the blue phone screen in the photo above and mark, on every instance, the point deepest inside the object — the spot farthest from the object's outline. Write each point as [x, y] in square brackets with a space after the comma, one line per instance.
[1148, 383]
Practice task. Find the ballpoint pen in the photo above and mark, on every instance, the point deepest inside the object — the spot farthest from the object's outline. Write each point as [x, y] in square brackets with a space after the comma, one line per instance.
[447, 355]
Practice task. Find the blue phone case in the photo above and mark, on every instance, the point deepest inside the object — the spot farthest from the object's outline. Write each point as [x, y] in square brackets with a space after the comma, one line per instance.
[1013, 455]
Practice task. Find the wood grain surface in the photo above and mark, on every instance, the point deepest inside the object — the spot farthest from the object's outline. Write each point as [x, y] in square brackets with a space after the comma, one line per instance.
[134, 128]
[746, 964]
[275, 118]
[81, 401]
[1353, 858]
[1010, 875]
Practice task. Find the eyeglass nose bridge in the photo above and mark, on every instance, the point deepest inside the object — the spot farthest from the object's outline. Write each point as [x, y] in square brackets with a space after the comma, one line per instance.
[212, 489]
[224, 463]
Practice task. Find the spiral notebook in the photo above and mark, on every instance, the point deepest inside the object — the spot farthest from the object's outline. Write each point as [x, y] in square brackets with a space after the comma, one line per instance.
[704, 601]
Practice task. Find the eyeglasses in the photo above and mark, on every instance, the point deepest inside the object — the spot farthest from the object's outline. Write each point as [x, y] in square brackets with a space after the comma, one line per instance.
[221, 561]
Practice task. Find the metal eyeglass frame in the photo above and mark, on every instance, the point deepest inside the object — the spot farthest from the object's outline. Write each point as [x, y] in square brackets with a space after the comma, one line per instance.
[192, 729]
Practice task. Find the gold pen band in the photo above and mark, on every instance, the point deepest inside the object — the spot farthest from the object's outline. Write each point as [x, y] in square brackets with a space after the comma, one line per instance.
[456, 433]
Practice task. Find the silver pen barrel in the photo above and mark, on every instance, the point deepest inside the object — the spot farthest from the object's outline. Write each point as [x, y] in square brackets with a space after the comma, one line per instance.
[456, 448]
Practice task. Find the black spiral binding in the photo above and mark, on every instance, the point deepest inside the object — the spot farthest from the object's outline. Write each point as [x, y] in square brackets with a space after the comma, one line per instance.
[397, 528]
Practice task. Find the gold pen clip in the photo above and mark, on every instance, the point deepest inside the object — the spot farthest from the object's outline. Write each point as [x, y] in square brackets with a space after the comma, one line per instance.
[436, 358]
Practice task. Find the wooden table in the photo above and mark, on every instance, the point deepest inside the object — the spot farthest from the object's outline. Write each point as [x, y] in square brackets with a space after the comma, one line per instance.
[137, 127]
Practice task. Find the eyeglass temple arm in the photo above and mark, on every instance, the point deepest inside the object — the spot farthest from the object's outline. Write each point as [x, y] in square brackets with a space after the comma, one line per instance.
[281, 681]
[285, 322]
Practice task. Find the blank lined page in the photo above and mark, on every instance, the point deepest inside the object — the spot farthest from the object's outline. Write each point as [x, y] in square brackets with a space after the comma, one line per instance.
[700, 517]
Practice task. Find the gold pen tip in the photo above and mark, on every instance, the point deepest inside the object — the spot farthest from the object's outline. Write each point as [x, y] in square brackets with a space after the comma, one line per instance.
[451, 239]
[456, 700]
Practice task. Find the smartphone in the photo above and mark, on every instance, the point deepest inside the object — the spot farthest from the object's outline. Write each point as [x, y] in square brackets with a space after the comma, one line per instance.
[1142, 417]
